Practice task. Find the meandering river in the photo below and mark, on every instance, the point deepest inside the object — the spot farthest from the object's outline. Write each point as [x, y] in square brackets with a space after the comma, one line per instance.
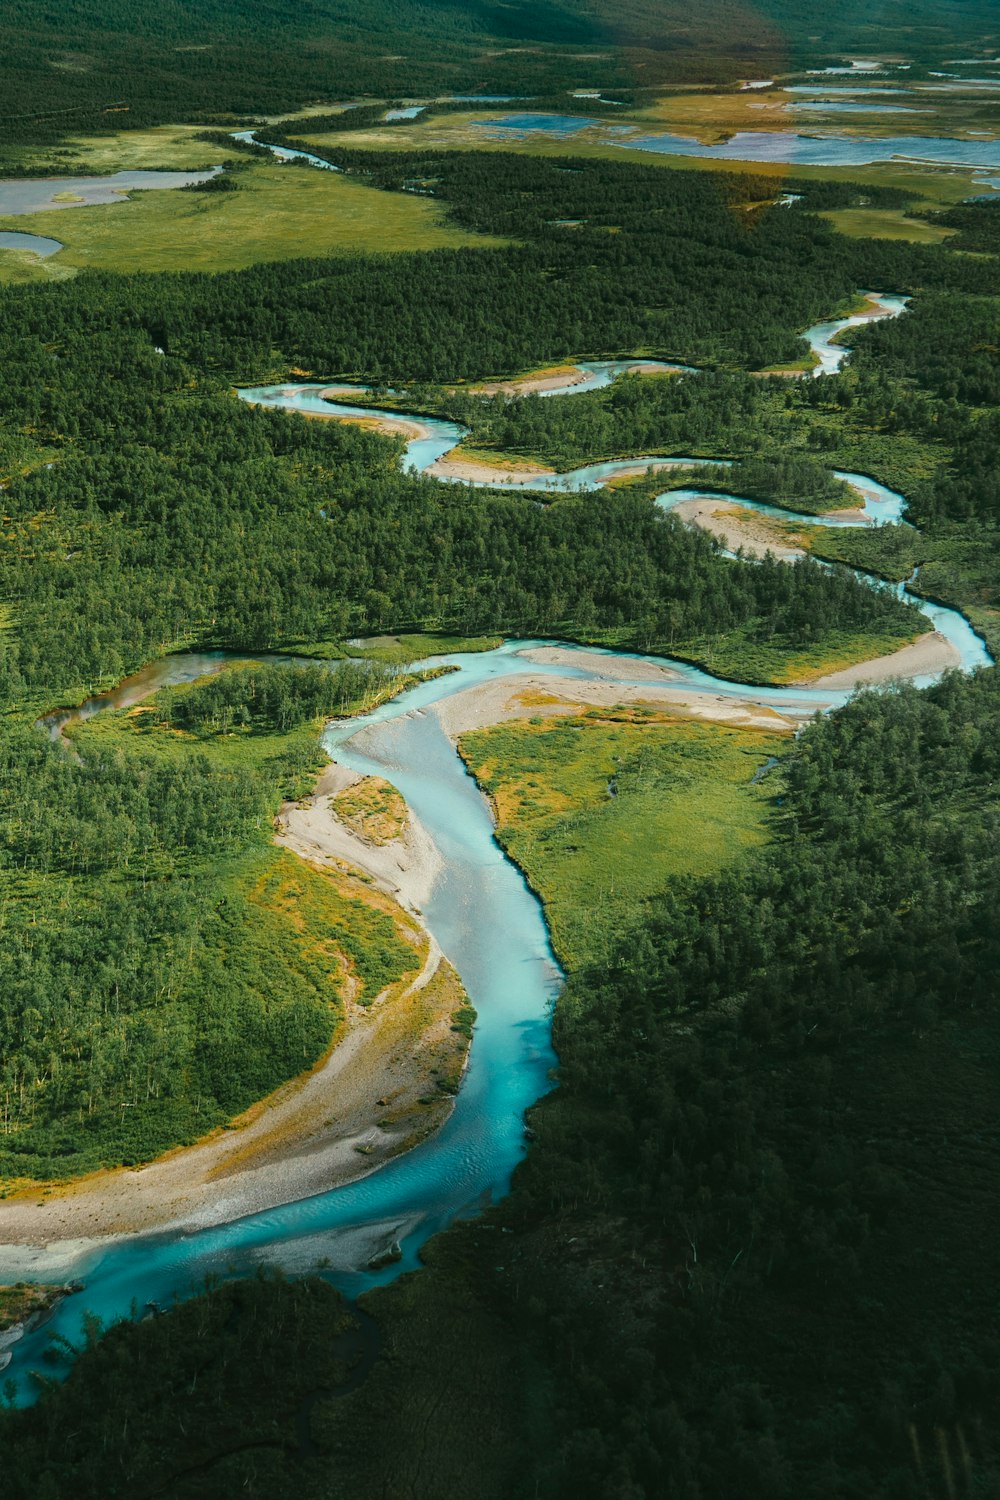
[492, 928]
[488, 923]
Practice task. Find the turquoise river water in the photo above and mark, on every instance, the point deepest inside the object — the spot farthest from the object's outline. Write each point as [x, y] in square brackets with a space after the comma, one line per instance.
[488, 923]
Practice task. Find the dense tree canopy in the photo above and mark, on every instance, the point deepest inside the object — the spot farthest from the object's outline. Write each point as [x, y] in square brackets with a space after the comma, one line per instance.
[746, 1254]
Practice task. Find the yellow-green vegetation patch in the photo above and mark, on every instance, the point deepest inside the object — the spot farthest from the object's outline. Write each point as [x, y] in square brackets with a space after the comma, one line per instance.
[224, 962]
[400, 650]
[886, 224]
[276, 213]
[20, 267]
[603, 809]
[174, 148]
[25, 1300]
[711, 117]
[373, 809]
[326, 930]
[734, 655]
[289, 761]
[460, 132]
[443, 995]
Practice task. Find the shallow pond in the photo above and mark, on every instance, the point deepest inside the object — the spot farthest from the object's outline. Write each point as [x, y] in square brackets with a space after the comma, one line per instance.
[826, 151]
[37, 244]
[34, 195]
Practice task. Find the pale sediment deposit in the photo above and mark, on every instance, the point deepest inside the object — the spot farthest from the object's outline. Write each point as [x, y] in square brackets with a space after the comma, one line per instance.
[925, 657]
[365, 1101]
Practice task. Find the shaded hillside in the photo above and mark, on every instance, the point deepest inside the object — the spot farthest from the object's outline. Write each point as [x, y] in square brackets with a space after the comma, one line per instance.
[100, 63]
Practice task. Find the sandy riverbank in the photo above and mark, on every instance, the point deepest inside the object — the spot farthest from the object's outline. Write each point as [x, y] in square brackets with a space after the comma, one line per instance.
[406, 427]
[757, 535]
[737, 528]
[404, 868]
[534, 695]
[358, 1108]
[871, 309]
[562, 377]
[363, 1103]
[929, 654]
[402, 427]
[477, 471]
[339, 393]
[554, 379]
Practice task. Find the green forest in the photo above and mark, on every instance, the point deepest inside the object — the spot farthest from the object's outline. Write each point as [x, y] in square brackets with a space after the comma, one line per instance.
[746, 1248]
[110, 65]
[154, 985]
[746, 1253]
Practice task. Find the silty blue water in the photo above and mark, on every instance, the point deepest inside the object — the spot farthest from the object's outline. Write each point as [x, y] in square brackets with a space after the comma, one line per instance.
[825, 151]
[882, 507]
[37, 244]
[602, 372]
[821, 336]
[32, 195]
[550, 124]
[441, 436]
[826, 90]
[846, 106]
[284, 153]
[491, 927]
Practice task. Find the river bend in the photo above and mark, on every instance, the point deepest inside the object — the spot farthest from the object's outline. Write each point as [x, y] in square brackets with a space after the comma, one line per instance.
[488, 923]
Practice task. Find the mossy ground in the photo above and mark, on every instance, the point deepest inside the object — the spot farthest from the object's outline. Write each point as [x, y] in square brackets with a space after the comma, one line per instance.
[279, 212]
[372, 809]
[604, 809]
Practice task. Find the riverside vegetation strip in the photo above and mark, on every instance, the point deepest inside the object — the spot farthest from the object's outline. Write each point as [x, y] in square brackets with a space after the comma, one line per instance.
[885, 963]
[159, 832]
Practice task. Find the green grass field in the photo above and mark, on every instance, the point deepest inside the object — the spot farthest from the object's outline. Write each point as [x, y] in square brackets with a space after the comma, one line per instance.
[161, 147]
[278, 213]
[401, 650]
[283, 212]
[886, 224]
[601, 811]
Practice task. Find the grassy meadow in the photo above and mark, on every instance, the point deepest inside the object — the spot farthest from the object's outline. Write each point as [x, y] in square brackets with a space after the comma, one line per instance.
[602, 810]
[373, 809]
[886, 224]
[285, 212]
[279, 212]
